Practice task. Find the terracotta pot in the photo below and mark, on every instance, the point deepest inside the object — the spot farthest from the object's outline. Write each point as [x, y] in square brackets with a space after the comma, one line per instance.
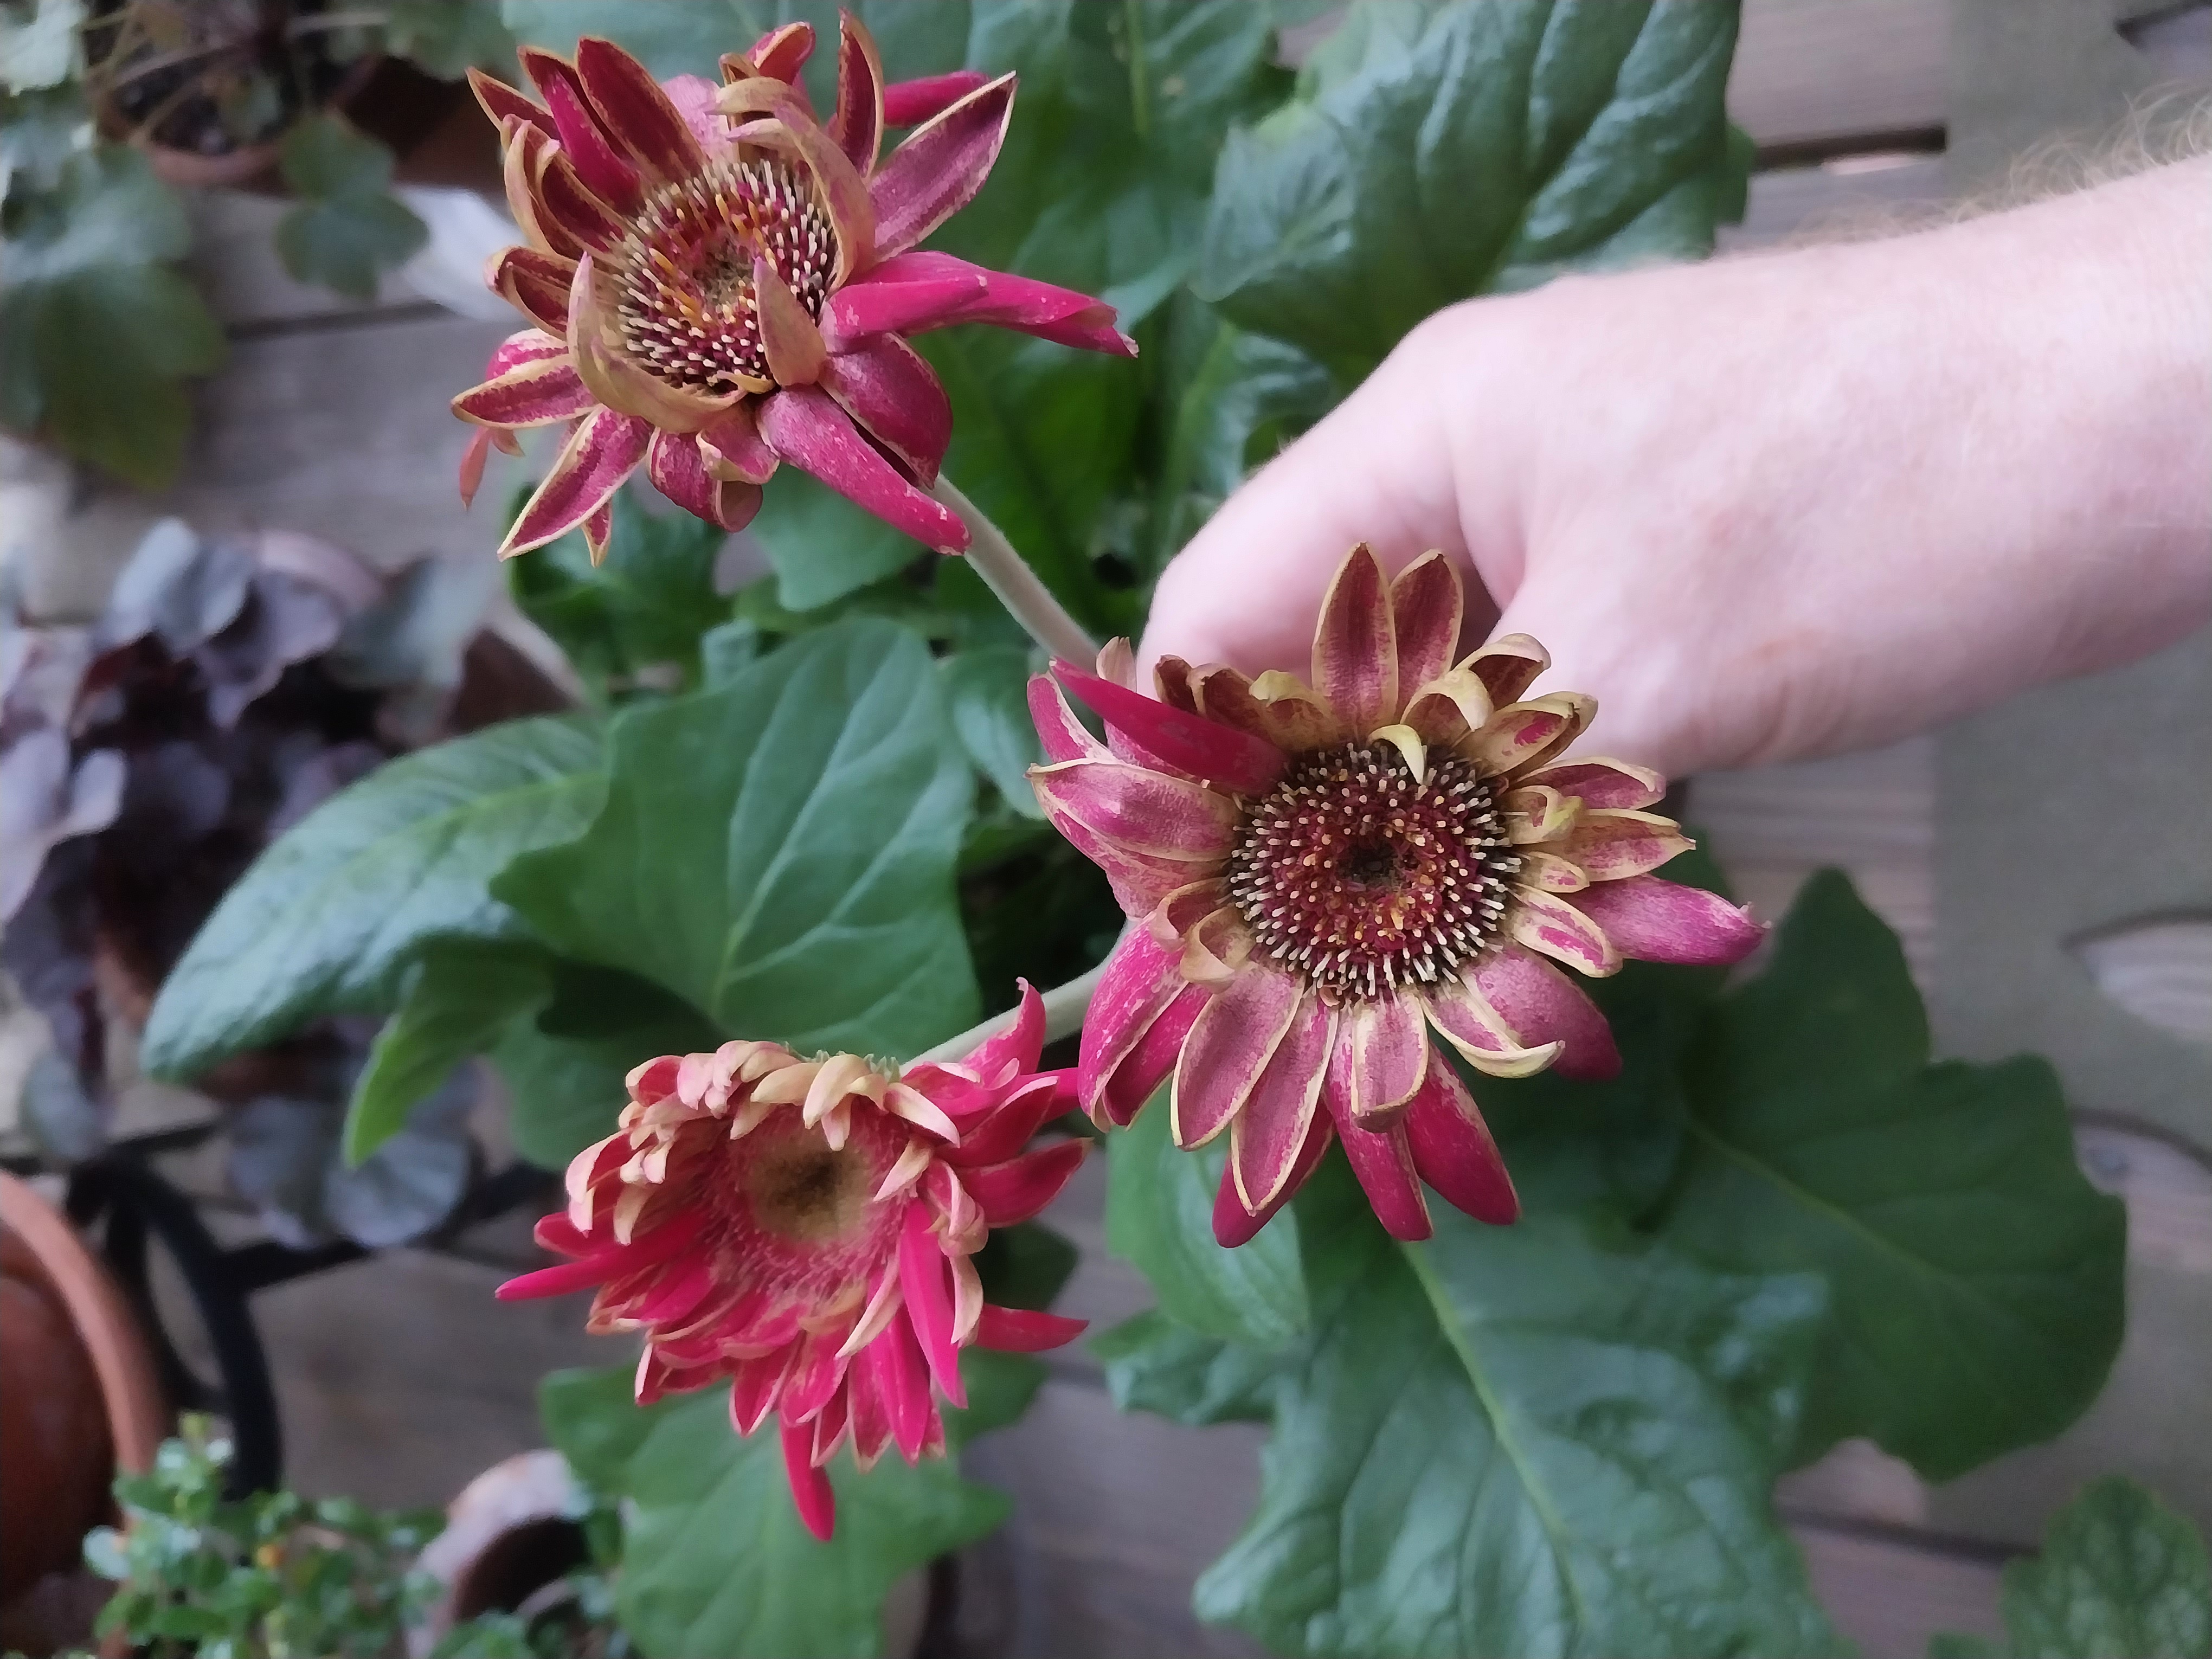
[79, 1395]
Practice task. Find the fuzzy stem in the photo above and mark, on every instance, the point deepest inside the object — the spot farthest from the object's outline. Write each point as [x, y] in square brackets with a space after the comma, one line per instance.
[1008, 576]
[1065, 1007]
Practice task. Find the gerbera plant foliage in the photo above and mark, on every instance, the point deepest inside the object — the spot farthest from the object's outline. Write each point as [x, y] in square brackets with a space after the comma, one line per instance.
[1545, 1202]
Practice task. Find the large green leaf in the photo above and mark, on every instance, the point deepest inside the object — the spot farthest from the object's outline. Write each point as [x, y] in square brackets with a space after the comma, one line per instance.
[715, 1560]
[1159, 1217]
[460, 997]
[988, 689]
[1511, 1440]
[1976, 1276]
[2120, 1574]
[565, 1065]
[1436, 152]
[326, 919]
[822, 545]
[644, 609]
[95, 329]
[778, 851]
[1154, 1365]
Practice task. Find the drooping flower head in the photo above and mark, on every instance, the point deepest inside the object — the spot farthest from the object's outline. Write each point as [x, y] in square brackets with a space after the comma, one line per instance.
[718, 283]
[1321, 873]
[804, 1229]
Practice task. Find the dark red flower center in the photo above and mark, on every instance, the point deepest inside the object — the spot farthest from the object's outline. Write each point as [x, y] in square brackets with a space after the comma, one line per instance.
[1364, 879]
[684, 274]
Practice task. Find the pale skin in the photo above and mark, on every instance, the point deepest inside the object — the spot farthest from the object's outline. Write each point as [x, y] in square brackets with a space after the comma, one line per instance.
[1780, 506]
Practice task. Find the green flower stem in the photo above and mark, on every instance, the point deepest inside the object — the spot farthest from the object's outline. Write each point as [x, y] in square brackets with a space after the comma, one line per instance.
[1008, 576]
[1065, 1006]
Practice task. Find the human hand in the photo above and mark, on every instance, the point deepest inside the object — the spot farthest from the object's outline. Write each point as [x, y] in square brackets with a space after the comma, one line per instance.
[1777, 506]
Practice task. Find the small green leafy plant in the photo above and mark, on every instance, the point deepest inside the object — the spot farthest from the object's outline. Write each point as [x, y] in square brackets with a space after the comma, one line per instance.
[275, 1576]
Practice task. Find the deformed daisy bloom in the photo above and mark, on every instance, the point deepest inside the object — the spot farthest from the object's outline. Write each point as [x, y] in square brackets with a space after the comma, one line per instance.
[1319, 874]
[804, 1229]
[719, 282]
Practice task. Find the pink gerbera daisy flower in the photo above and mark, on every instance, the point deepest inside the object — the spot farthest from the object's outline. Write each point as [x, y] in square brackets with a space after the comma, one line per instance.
[804, 1229]
[718, 283]
[1321, 874]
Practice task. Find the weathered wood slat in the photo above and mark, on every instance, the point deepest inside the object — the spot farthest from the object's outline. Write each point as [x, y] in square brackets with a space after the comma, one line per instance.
[1815, 77]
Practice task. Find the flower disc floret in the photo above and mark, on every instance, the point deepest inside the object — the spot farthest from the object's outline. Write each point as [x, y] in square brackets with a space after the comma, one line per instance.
[1320, 871]
[804, 1229]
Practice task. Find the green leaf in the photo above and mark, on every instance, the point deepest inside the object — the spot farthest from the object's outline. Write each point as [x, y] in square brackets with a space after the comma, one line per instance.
[1975, 1275]
[565, 1068]
[325, 919]
[650, 605]
[1159, 1216]
[824, 547]
[778, 851]
[1510, 1440]
[1154, 1365]
[2120, 1574]
[988, 689]
[460, 997]
[1432, 152]
[445, 37]
[95, 330]
[715, 1558]
[347, 229]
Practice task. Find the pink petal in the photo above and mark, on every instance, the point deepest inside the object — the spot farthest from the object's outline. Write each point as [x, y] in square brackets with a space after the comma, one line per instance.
[679, 471]
[605, 172]
[1457, 1008]
[1022, 1330]
[1230, 1041]
[1139, 1077]
[1355, 651]
[782, 53]
[857, 124]
[1384, 1162]
[810, 1487]
[1018, 1046]
[637, 112]
[529, 345]
[732, 447]
[1293, 720]
[1140, 880]
[1602, 782]
[1519, 732]
[1063, 736]
[926, 1281]
[1191, 744]
[1004, 1132]
[754, 1387]
[1138, 982]
[561, 1279]
[1233, 1225]
[607, 449]
[1425, 605]
[1549, 923]
[788, 336]
[896, 398]
[1542, 1004]
[845, 196]
[536, 284]
[693, 97]
[804, 427]
[870, 1410]
[536, 393]
[1507, 666]
[1382, 1053]
[902, 1377]
[472, 465]
[1612, 846]
[1017, 1189]
[830, 1424]
[939, 168]
[1265, 1137]
[1139, 809]
[561, 196]
[1453, 1151]
[815, 1376]
[916, 291]
[909, 103]
[503, 103]
[1663, 921]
